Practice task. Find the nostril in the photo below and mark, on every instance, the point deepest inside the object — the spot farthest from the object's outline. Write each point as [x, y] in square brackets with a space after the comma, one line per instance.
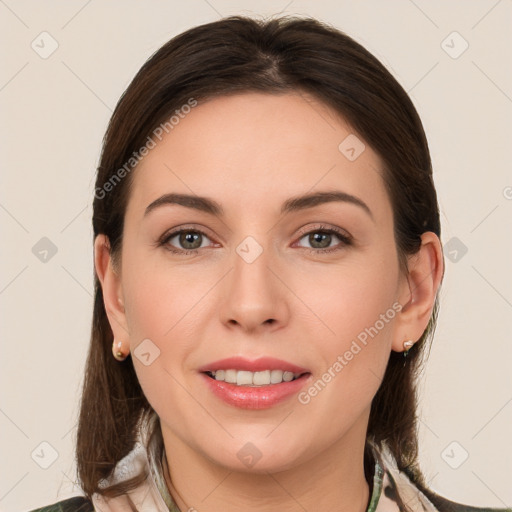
[269, 321]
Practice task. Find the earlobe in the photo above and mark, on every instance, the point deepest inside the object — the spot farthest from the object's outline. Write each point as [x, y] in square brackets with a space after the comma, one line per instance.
[421, 284]
[111, 288]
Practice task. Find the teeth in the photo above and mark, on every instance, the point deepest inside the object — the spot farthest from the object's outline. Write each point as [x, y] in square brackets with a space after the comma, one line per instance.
[230, 376]
[261, 378]
[245, 378]
[276, 376]
[287, 376]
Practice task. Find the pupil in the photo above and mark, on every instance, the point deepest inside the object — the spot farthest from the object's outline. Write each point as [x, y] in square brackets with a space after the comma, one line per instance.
[317, 238]
[189, 238]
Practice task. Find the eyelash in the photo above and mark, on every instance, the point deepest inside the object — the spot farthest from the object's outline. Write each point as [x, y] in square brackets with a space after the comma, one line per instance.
[345, 239]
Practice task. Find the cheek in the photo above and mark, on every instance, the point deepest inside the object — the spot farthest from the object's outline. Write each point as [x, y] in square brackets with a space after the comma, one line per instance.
[357, 307]
[351, 299]
[161, 312]
[160, 300]
[166, 306]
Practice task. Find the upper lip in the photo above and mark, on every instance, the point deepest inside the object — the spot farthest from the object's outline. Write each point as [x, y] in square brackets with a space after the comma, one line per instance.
[256, 365]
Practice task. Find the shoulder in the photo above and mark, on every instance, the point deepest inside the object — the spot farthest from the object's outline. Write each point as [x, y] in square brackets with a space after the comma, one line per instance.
[76, 504]
[396, 491]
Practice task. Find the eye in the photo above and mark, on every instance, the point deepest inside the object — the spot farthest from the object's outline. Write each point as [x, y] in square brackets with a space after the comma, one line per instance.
[185, 240]
[322, 240]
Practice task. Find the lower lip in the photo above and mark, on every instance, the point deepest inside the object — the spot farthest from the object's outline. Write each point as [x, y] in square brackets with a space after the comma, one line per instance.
[261, 397]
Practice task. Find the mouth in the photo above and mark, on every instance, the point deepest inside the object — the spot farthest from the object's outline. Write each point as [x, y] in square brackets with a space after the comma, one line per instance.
[257, 384]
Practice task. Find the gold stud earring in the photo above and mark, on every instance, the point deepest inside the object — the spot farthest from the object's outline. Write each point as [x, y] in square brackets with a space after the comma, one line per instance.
[117, 352]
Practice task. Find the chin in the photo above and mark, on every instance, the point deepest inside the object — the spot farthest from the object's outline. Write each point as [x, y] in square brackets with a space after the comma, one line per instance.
[258, 455]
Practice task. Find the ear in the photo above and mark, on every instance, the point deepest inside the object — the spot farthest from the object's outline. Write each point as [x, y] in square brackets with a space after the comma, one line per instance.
[111, 286]
[418, 290]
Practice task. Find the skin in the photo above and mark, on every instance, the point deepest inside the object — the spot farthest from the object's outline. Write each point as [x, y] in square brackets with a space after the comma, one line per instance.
[251, 152]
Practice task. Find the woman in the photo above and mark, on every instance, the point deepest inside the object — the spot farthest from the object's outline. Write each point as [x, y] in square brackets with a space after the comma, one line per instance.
[267, 261]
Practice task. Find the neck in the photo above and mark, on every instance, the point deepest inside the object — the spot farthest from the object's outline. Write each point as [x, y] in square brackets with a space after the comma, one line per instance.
[332, 480]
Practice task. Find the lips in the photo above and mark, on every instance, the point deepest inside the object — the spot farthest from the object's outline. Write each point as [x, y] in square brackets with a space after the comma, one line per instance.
[229, 380]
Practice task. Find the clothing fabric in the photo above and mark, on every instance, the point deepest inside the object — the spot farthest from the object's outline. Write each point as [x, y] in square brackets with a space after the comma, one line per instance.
[392, 489]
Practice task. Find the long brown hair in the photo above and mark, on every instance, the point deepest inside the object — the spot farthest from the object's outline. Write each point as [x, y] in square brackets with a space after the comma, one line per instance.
[279, 55]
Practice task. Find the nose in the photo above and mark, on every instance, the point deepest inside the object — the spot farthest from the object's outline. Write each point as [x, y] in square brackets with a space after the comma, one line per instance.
[254, 298]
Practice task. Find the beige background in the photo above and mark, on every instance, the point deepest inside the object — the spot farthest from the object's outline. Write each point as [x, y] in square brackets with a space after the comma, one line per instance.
[55, 111]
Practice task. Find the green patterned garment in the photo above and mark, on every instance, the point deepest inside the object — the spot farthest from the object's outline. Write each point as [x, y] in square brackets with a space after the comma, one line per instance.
[392, 490]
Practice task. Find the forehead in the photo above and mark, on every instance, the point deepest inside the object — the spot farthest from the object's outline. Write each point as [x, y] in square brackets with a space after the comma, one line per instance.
[255, 148]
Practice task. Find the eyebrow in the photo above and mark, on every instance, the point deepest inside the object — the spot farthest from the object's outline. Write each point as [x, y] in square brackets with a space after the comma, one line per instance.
[203, 204]
[318, 198]
[293, 204]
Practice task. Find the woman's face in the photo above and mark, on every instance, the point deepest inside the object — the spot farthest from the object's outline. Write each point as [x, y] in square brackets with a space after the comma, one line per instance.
[268, 265]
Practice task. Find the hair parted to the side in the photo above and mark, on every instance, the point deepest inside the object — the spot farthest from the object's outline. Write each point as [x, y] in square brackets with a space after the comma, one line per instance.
[235, 55]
